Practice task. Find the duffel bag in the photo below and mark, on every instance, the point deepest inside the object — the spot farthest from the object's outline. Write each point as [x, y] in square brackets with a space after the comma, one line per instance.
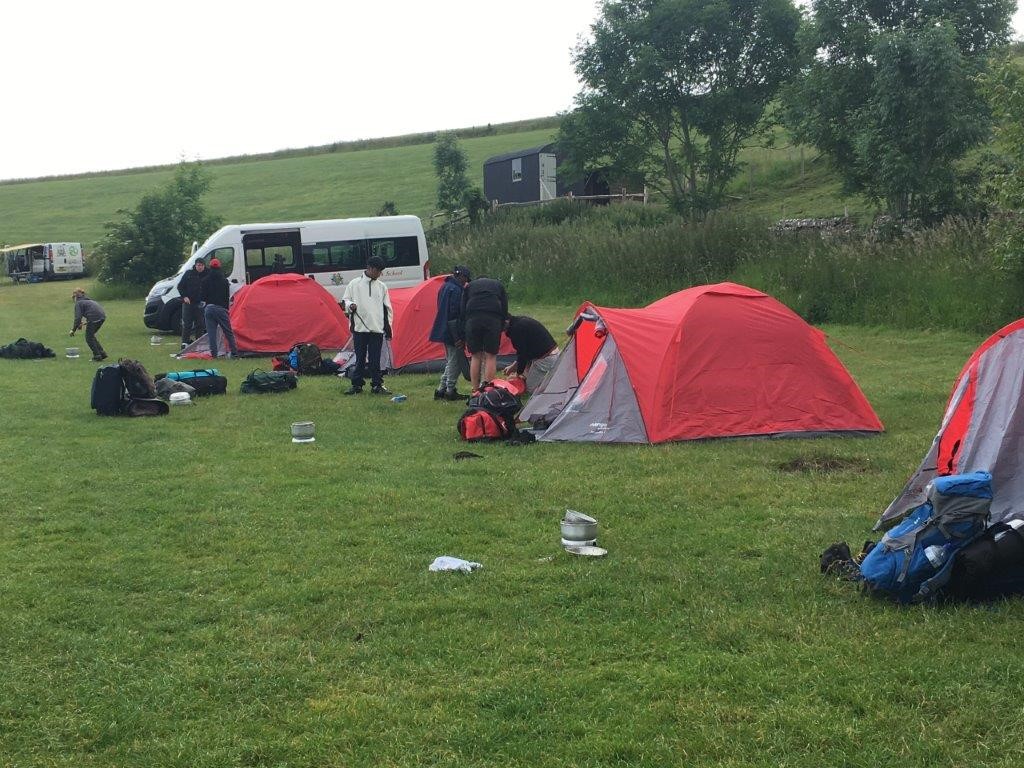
[209, 385]
[268, 381]
[991, 566]
[187, 375]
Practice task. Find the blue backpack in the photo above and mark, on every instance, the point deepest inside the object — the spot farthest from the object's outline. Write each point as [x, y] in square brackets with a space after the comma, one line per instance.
[914, 559]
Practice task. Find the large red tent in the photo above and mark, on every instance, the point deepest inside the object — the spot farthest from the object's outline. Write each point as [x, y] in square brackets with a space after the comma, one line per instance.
[718, 360]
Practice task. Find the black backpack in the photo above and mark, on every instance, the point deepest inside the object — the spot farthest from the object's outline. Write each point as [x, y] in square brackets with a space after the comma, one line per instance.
[268, 381]
[497, 400]
[108, 393]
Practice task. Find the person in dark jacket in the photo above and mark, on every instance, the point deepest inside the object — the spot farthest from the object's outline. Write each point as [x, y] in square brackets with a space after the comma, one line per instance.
[216, 294]
[447, 330]
[192, 315]
[92, 315]
[484, 309]
[536, 350]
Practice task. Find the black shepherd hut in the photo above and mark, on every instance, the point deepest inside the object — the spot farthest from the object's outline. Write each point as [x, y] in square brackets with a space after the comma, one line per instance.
[530, 175]
[523, 176]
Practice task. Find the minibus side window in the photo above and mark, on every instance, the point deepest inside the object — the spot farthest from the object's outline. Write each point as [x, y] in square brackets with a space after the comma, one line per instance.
[396, 251]
[334, 256]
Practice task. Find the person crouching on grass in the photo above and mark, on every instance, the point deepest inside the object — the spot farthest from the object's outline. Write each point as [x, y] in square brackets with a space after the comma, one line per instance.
[92, 315]
[368, 306]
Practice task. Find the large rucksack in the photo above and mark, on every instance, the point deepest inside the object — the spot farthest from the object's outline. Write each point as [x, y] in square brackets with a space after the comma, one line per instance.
[914, 560]
[268, 381]
[496, 399]
[108, 394]
[305, 358]
[137, 380]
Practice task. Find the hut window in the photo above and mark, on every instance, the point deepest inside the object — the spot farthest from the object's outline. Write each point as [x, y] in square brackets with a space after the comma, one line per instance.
[517, 169]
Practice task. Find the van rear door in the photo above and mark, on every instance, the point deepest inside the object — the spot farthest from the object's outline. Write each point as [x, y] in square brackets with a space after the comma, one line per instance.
[271, 253]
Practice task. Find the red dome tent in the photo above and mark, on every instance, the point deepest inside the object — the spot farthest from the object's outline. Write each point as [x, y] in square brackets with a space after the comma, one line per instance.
[982, 429]
[710, 361]
[278, 311]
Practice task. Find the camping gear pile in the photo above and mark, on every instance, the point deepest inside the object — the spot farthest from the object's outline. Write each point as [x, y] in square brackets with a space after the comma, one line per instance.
[971, 468]
[125, 389]
[491, 412]
[23, 349]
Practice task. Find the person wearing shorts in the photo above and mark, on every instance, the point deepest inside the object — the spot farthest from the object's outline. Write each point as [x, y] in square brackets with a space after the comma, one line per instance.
[484, 309]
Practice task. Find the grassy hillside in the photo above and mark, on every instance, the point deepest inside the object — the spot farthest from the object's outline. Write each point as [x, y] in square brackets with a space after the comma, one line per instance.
[196, 591]
[314, 186]
[321, 184]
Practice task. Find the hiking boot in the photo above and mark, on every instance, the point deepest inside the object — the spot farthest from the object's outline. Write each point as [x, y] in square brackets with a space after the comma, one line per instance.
[439, 394]
[381, 390]
[353, 391]
[453, 394]
[98, 358]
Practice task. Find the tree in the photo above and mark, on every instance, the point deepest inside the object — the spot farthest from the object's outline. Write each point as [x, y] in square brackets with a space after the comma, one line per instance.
[888, 92]
[1004, 87]
[673, 89]
[150, 241]
[450, 164]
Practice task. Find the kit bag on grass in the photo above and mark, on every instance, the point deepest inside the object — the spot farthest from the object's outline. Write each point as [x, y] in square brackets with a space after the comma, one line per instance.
[268, 381]
[188, 375]
[914, 560]
[305, 358]
[209, 385]
[991, 566]
[478, 424]
[146, 406]
[108, 394]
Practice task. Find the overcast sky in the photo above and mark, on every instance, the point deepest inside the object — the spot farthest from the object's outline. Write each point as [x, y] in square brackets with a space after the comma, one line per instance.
[115, 84]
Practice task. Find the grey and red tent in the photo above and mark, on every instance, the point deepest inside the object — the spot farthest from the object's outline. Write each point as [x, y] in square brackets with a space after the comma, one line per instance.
[710, 361]
[982, 429]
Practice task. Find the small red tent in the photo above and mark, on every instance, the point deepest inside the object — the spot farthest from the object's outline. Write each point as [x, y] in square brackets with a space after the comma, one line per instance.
[411, 350]
[710, 361]
[982, 429]
[276, 312]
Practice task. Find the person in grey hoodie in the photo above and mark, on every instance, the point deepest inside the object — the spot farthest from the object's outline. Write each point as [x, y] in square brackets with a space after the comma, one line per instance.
[92, 315]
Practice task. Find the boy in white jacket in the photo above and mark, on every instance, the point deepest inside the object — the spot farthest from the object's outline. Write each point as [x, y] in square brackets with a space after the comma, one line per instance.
[368, 306]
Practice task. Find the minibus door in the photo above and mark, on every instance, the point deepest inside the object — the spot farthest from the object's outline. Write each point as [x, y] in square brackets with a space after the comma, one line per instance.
[272, 253]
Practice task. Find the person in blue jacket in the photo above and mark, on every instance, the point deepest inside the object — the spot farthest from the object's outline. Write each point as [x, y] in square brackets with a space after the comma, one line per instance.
[447, 330]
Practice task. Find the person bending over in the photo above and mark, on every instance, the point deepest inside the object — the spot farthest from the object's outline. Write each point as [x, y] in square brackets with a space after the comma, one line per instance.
[536, 350]
[484, 309]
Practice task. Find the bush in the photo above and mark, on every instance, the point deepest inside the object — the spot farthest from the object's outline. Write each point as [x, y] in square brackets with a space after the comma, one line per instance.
[150, 241]
[629, 255]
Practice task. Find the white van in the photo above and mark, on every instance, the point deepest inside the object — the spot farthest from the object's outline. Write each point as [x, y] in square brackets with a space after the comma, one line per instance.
[43, 261]
[332, 252]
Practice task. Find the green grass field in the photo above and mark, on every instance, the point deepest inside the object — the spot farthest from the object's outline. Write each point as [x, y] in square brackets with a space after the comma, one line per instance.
[195, 590]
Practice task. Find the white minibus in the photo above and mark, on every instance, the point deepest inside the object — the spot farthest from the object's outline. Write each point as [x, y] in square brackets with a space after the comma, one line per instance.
[332, 252]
